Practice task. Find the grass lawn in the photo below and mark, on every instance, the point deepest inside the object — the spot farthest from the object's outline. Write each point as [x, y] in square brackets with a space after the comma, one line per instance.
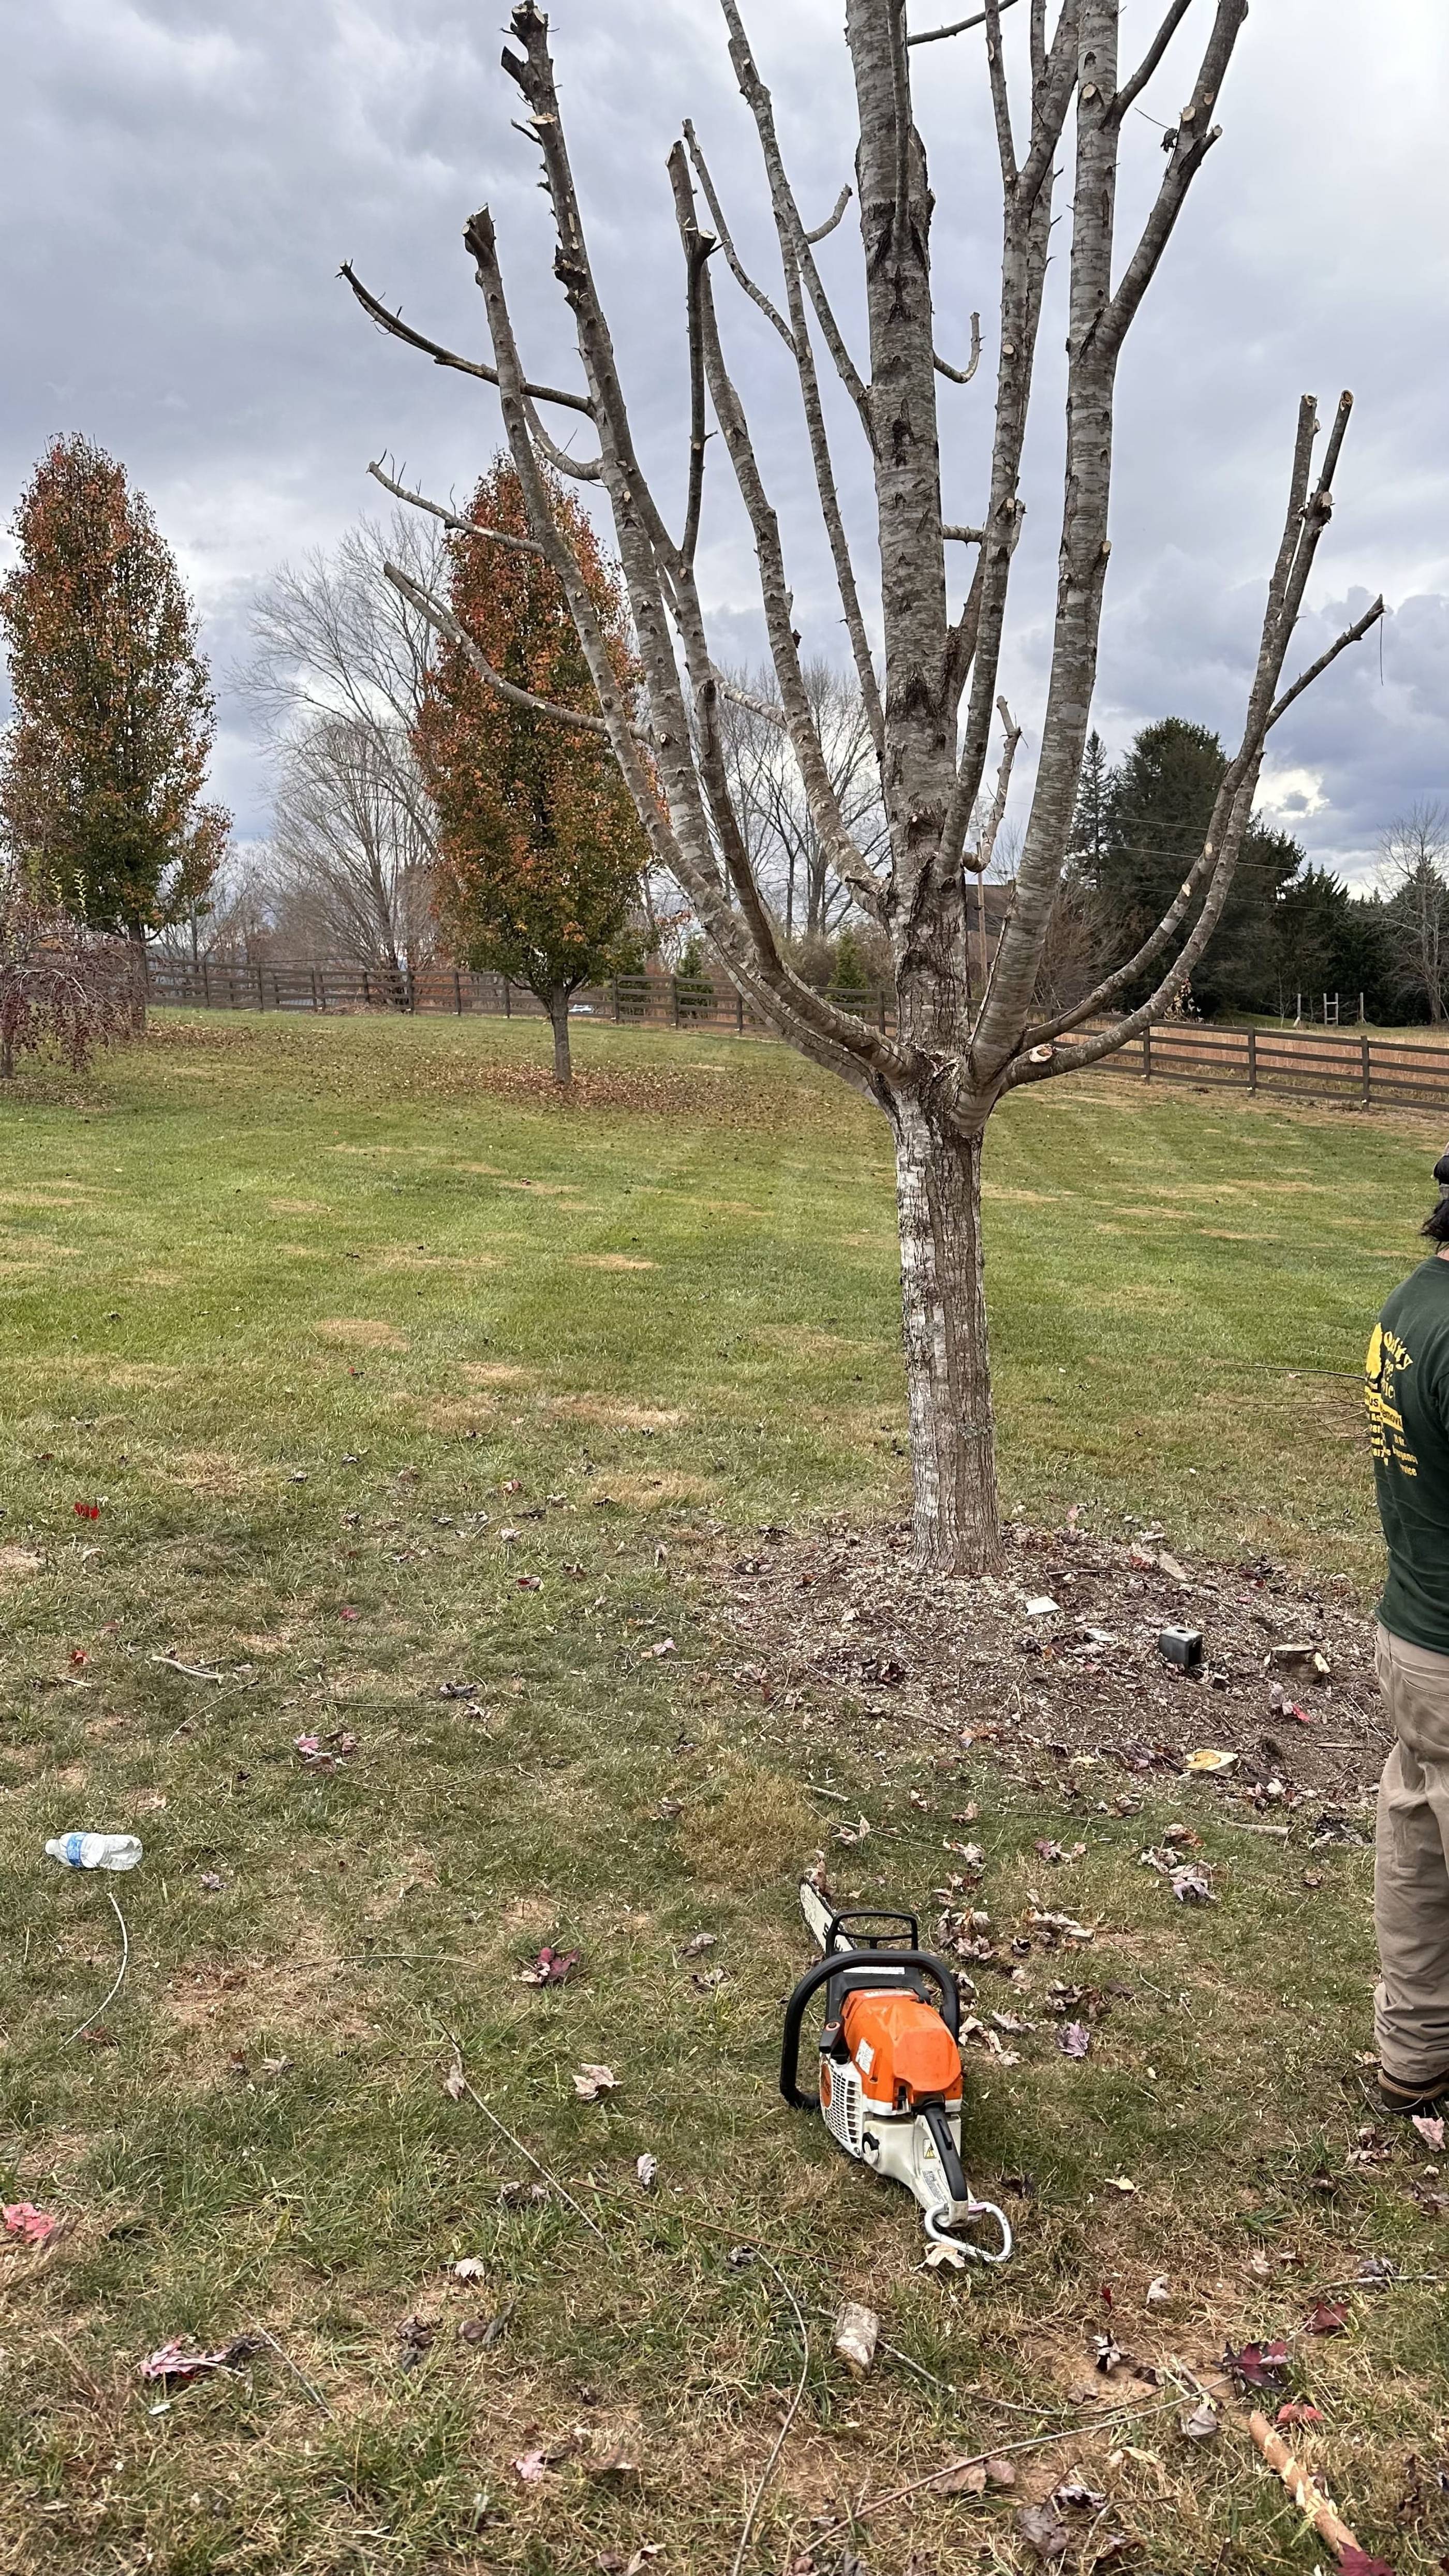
[347, 1327]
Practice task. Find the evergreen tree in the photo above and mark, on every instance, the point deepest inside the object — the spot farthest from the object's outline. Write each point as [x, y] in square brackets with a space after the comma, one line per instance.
[1157, 805]
[106, 756]
[1089, 830]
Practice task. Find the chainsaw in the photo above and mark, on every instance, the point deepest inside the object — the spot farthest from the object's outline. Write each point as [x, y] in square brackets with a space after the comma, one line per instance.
[890, 2066]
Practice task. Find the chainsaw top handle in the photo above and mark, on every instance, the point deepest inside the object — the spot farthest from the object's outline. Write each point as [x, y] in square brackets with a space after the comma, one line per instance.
[840, 1963]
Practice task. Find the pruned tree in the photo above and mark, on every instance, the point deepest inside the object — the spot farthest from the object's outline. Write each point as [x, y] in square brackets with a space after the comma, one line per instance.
[1414, 864]
[61, 986]
[961, 1041]
[337, 672]
[540, 848]
[107, 754]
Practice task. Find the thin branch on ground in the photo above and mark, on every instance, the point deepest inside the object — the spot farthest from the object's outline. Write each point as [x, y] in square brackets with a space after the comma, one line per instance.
[791, 2412]
[517, 2143]
[93, 2017]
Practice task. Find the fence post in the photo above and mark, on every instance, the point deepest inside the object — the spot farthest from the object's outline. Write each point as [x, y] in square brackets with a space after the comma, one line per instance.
[261, 992]
[739, 1015]
[674, 988]
[457, 992]
[507, 999]
[1368, 1072]
[1147, 1053]
[1252, 1059]
[412, 988]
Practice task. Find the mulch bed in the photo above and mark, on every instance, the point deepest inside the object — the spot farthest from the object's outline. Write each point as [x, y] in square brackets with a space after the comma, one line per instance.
[839, 1623]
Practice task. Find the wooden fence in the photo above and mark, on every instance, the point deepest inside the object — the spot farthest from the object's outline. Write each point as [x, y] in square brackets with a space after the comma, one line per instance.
[1362, 1072]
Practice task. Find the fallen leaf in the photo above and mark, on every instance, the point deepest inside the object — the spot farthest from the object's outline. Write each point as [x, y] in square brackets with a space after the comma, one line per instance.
[967, 2477]
[1120, 2182]
[530, 1582]
[1190, 1885]
[646, 2168]
[34, 2226]
[530, 2467]
[1074, 2039]
[1077, 2497]
[177, 2360]
[1209, 1758]
[469, 2267]
[1202, 2423]
[1258, 2365]
[1159, 2291]
[212, 1882]
[1357, 2562]
[1431, 2131]
[1296, 2410]
[1326, 2316]
[455, 2084]
[347, 1612]
[486, 2331]
[1000, 2473]
[942, 2256]
[1107, 2352]
[1044, 2531]
[550, 1968]
[591, 2081]
[698, 1944]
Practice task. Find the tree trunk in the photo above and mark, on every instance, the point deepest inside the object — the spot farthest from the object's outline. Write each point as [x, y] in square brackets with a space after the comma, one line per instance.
[7, 1056]
[558, 1012]
[948, 1371]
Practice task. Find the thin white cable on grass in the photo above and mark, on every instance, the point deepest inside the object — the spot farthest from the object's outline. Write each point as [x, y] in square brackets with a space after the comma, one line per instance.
[120, 1981]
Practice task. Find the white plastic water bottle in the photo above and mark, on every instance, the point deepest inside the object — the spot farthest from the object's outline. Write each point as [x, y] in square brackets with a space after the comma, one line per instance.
[95, 1851]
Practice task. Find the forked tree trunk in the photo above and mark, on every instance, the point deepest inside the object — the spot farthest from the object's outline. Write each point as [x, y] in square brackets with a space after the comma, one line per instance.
[558, 1012]
[948, 1370]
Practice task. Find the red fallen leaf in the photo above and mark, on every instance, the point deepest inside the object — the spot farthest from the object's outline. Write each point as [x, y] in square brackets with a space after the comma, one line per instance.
[550, 1968]
[1357, 2562]
[79, 1659]
[1296, 2410]
[23, 2219]
[347, 1612]
[1327, 2316]
[530, 1582]
[1258, 2365]
[86, 1511]
[513, 1484]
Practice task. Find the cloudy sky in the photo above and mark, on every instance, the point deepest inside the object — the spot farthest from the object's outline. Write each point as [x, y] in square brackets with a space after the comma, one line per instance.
[184, 177]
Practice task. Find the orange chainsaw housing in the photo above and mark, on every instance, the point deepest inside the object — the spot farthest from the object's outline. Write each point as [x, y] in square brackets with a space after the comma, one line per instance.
[902, 2048]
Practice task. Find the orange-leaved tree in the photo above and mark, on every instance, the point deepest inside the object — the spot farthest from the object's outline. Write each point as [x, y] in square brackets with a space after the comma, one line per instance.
[541, 853]
[105, 758]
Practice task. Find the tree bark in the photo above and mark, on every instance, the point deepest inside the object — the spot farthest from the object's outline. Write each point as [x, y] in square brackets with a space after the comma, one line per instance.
[558, 1012]
[948, 1372]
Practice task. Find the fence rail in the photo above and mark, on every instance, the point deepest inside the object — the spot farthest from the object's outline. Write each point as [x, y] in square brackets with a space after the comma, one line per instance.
[1362, 1072]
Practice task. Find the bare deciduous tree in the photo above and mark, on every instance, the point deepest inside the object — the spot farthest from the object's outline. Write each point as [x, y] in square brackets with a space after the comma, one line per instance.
[61, 985]
[336, 674]
[960, 1042]
[1413, 855]
[788, 862]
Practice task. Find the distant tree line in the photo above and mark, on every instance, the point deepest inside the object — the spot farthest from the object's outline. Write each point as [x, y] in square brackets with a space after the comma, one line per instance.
[1288, 927]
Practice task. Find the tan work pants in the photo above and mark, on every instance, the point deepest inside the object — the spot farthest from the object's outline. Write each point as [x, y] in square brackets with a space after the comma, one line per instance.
[1411, 1866]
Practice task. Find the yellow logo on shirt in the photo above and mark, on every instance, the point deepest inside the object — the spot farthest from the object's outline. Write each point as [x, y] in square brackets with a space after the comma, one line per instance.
[1387, 1355]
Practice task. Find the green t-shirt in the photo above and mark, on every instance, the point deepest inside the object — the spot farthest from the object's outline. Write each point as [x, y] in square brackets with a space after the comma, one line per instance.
[1408, 1410]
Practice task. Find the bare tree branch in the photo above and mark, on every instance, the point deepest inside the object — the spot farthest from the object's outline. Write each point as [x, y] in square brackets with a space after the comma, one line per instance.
[787, 213]
[1193, 141]
[451, 519]
[1132, 90]
[933, 35]
[394, 325]
[822, 231]
[447, 624]
[1351, 635]
[737, 269]
[963, 375]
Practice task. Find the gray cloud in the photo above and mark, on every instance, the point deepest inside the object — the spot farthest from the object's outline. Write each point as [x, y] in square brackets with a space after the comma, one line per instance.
[181, 181]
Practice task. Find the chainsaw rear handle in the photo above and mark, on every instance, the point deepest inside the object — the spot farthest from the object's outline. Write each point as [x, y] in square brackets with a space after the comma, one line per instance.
[837, 1962]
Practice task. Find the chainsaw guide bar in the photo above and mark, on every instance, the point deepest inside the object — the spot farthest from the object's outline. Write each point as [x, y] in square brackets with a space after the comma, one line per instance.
[890, 2086]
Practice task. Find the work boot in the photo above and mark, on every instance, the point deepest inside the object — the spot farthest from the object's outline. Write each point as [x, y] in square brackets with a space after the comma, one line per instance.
[1429, 2100]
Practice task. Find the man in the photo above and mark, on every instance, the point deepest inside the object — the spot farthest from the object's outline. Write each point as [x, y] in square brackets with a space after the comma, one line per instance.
[1408, 1409]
